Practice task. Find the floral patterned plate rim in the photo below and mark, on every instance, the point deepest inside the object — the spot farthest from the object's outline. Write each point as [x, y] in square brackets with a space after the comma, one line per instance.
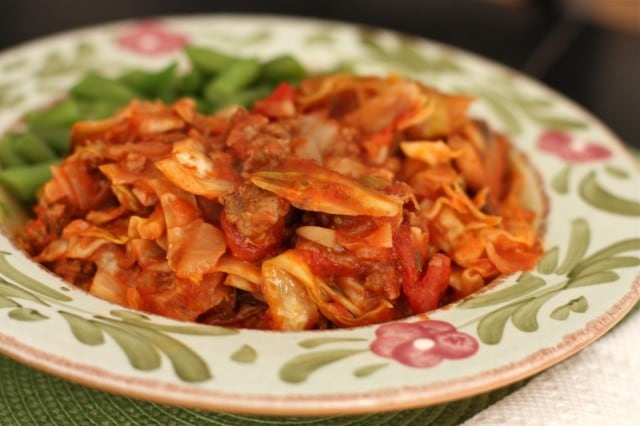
[586, 281]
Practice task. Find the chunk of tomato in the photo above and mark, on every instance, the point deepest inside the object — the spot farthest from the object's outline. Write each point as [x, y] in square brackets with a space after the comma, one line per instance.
[407, 254]
[424, 295]
[280, 103]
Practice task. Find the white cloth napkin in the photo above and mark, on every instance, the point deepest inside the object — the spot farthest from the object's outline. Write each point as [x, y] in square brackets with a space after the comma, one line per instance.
[600, 385]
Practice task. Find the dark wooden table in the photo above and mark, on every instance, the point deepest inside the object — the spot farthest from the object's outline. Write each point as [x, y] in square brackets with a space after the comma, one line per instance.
[596, 66]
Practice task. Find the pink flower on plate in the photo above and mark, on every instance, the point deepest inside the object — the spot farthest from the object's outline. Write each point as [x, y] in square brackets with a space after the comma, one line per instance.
[422, 344]
[151, 38]
[565, 147]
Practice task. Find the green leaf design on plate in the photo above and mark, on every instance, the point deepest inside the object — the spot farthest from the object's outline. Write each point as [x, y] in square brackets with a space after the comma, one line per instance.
[128, 315]
[560, 182]
[509, 120]
[579, 305]
[531, 105]
[245, 355]
[15, 64]
[406, 55]
[137, 318]
[578, 243]
[580, 271]
[258, 37]
[8, 289]
[368, 39]
[26, 314]
[85, 50]
[604, 265]
[525, 285]
[491, 326]
[141, 354]
[523, 314]
[595, 195]
[561, 123]
[8, 98]
[632, 244]
[534, 108]
[368, 370]
[29, 283]
[58, 64]
[143, 341]
[190, 329]
[560, 313]
[319, 341]
[593, 279]
[323, 37]
[299, 368]
[54, 64]
[549, 262]
[510, 106]
[616, 172]
[525, 318]
[85, 331]
[8, 303]
[188, 365]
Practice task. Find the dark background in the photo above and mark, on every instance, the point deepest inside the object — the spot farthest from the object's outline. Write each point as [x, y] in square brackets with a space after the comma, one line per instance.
[591, 54]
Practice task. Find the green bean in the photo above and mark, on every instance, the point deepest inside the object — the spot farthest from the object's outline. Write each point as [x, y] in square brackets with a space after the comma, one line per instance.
[150, 83]
[56, 137]
[204, 107]
[96, 110]
[8, 155]
[63, 113]
[191, 83]
[215, 80]
[32, 148]
[52, 125]
[24, 181]
[246, 97]
[207, 60]
[282, 68]
[236, 77]
[96, 87]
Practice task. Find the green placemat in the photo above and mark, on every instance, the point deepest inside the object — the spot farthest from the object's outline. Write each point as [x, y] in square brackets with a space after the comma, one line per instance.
[31, 397]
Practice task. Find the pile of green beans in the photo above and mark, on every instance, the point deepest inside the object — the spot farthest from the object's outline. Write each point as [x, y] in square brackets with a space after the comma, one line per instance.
[214, 80]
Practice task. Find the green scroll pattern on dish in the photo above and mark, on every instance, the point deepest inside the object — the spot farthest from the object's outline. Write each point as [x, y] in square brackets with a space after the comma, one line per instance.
[142, 340]
[298, 369]
[246, 354]
[82, 58]
[595, 195]
[510, 107]
[316, 356]
[8, 97]
[404, 55]
[522, 301]
[13, 274]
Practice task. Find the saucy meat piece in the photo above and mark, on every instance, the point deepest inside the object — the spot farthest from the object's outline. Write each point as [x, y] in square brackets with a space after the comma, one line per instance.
[259, 143]
[253, 221]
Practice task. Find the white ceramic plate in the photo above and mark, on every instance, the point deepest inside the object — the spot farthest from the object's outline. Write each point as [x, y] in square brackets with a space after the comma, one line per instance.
[586, 282]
